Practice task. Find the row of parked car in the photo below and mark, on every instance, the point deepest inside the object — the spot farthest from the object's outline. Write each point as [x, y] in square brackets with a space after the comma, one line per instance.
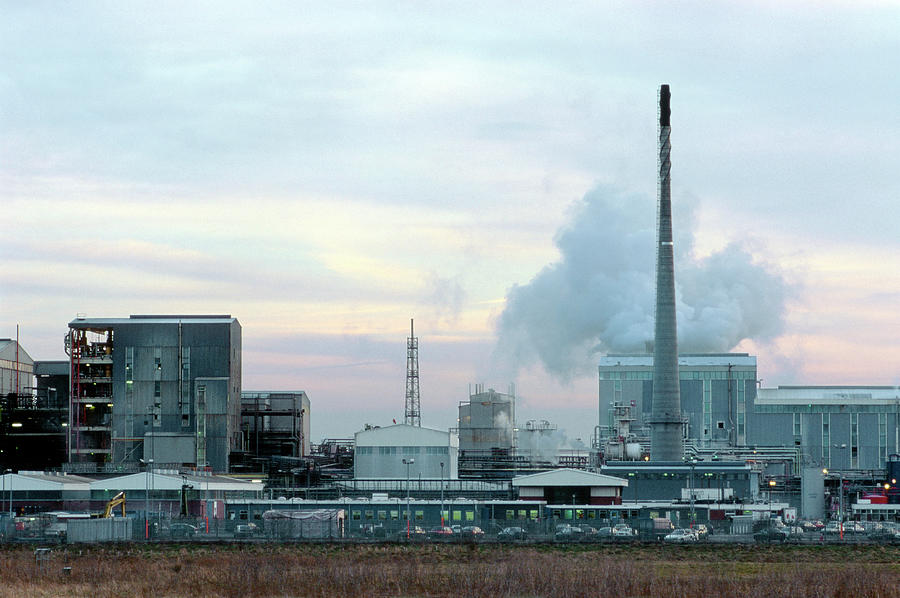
[812, 530]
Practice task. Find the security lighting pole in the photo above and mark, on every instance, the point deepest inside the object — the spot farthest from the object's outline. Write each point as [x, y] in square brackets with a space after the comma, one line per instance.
[407, 462]
[442, 494]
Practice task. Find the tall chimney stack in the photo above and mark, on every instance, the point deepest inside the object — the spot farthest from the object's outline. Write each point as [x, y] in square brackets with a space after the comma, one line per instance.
[665, 431]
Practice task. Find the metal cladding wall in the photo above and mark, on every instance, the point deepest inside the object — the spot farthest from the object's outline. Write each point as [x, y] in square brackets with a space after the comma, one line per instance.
[113, 529]
[666, 432]
[161, 368]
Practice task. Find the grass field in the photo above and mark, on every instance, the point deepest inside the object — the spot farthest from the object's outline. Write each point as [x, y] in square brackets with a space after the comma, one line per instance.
[262, 570]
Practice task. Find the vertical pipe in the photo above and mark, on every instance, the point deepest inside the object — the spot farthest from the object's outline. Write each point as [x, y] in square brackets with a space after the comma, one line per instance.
[666, 433]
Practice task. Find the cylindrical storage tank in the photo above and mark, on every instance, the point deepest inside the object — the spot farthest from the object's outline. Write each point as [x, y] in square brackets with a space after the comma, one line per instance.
[614, 451]
[632, 451]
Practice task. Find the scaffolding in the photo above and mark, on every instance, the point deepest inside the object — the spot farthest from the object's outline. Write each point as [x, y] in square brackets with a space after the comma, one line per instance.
[90, 392]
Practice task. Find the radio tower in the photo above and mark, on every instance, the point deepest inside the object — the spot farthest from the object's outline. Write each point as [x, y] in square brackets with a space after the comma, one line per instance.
[413, 416]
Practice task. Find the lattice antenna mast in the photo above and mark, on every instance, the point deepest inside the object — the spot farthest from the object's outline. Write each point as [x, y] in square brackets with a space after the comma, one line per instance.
[413, 415]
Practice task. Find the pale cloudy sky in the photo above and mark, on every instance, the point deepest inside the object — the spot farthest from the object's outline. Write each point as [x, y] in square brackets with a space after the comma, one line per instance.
[326, 171]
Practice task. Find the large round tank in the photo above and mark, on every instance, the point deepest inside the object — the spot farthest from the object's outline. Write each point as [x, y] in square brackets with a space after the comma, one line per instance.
[613, 451]
[632, 451]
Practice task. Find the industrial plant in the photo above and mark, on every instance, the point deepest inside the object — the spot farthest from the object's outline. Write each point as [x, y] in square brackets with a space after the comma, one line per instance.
[148, 417]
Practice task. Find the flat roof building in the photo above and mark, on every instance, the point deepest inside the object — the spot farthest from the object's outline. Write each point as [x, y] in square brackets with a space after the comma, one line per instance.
[165, 388]
[717, 392]
[838, 427]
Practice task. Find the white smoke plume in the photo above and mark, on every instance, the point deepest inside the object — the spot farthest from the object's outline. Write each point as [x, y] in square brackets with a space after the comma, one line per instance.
[599, 297]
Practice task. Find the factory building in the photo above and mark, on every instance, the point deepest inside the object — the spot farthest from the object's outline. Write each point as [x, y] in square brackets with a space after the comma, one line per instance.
[33, 425]
[402, 452]
[165, 388]
[706, 480]
[837, 427]
[717, 394]
[275, 423]
[16, 368]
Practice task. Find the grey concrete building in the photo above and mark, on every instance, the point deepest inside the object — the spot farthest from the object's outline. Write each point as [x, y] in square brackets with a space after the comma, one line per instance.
[165, 388]
[717, 394]
[838, 427]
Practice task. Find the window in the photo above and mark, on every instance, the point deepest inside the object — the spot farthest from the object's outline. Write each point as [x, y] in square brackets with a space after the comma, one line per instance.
[510, 514]
[826, 439]
[354, 515]
[797, 425]
[470, 515]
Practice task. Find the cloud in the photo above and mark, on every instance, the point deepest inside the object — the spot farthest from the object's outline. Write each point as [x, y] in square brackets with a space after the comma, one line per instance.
[599, 296]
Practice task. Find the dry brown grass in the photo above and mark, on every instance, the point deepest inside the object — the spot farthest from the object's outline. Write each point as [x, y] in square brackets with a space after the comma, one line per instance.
[454, 571]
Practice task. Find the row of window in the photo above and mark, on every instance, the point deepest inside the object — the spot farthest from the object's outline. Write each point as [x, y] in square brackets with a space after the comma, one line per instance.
[416, 514]
[682, 375]
[402, 450]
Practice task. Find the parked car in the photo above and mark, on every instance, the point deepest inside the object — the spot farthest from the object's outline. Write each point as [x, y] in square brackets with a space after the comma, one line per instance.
[568, 533]
[622, 530]
[604, 532]
[414, 534]
[771, 535]
[182, 530]
[509, 534]
[440, 533]
[471, 532]
[246, 530]
[681, 536]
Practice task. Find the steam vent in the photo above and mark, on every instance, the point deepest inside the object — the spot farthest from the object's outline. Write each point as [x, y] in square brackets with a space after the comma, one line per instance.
[665, 433]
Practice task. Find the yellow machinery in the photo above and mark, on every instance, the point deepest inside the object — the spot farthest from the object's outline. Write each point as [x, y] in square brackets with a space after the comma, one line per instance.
[118, 499]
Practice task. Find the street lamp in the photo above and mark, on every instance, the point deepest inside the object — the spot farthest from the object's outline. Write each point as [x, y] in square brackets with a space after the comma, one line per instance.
[407, 462]
[771, 488]
[840, 493]
[442, 494]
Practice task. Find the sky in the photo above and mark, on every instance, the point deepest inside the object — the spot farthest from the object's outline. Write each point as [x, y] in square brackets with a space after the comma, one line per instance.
[325, 172]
